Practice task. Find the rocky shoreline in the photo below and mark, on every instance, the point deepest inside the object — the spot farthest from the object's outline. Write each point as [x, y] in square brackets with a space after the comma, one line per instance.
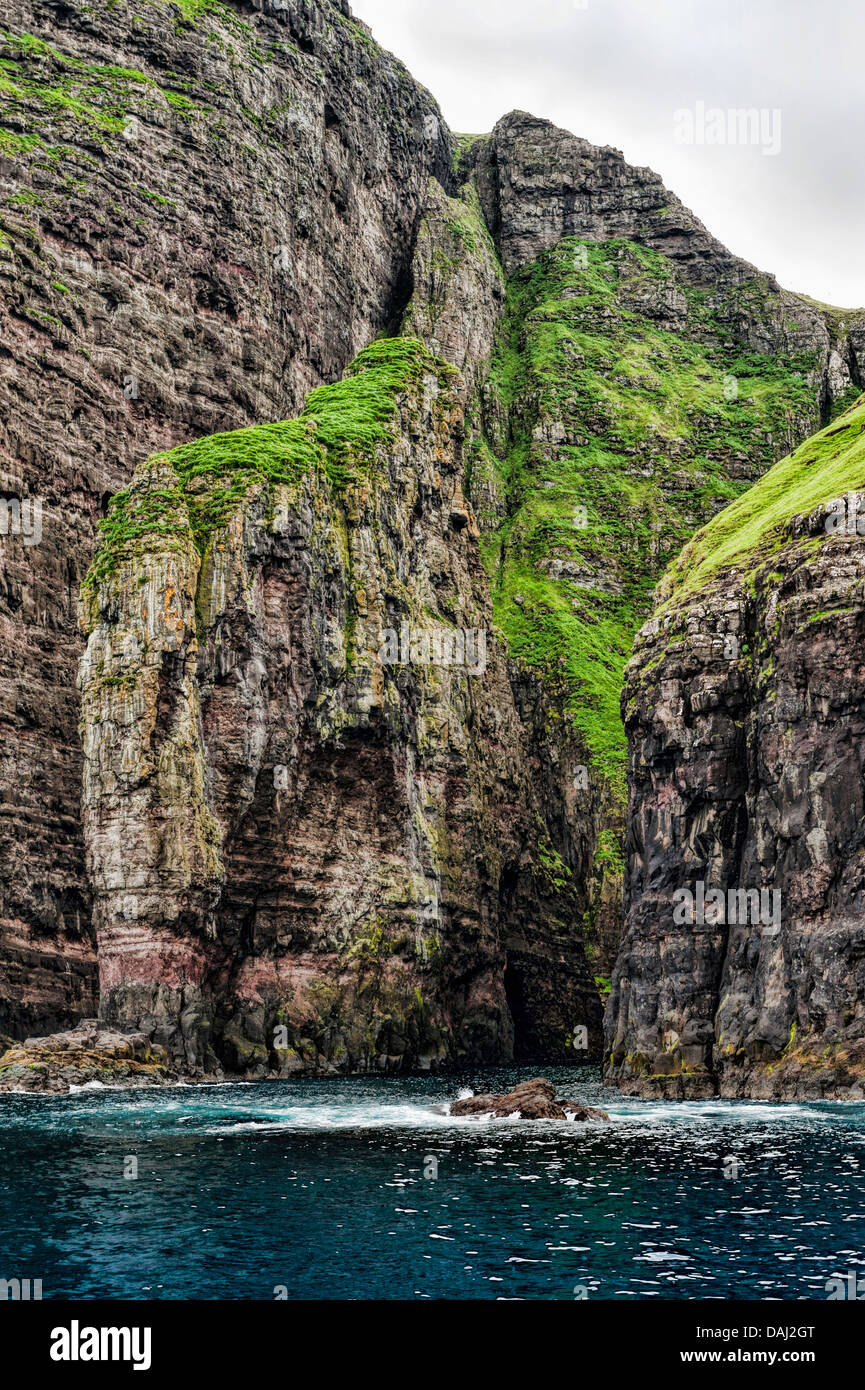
[57, 1063]
[62, 1062]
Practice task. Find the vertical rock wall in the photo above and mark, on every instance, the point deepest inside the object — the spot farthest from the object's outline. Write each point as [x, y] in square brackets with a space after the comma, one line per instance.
[206, 210]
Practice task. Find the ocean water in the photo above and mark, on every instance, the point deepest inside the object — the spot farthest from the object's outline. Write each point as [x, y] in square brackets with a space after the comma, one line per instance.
[357, 1189]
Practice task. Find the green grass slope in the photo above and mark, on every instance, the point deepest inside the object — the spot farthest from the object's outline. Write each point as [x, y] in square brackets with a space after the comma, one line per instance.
[339, 431]
[634, 414]
[824, 468]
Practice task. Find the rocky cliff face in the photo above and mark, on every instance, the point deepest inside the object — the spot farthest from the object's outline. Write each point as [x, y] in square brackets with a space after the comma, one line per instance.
[207, 209]
[312, 832]
[742, 968]
[312, 841]
[642, 377]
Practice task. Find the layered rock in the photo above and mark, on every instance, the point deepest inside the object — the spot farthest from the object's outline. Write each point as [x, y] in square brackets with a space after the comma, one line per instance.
[83, 1056]
[207, 210]
[642, 377]
[312, 832]
[742, 968]
[539, 183]
[212, 208]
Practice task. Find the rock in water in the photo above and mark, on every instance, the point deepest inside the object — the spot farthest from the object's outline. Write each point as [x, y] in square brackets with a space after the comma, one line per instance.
[575, 1111]
[80, 1056]
[532, 1100]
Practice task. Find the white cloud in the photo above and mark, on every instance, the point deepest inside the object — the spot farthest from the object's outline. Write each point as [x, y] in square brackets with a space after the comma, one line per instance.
[616, 71]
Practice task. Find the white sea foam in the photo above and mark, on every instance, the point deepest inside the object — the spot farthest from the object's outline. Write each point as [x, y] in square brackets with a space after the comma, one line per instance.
[363, 1115]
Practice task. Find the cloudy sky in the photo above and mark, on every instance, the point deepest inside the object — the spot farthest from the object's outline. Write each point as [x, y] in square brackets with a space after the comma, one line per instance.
[791, 198]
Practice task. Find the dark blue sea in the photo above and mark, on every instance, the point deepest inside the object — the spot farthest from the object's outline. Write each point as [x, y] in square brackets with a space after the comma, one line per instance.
[357, 1189]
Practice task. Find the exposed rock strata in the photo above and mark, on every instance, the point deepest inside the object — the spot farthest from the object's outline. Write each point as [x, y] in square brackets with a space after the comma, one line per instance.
[202, 218]
[214, 215]
[745, 711]
[303, 857]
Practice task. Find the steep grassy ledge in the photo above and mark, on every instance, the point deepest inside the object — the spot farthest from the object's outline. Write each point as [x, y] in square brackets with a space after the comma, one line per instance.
[756, 526]
[338, 432]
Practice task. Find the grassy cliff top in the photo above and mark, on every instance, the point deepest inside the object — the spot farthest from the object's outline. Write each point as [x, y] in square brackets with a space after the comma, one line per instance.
[198, 485]
[833, 313]
[750, 529]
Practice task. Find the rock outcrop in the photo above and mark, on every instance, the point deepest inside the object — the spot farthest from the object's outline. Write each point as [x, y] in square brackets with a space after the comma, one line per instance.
[742, 968]
[312, 832]
[207, 209]
[83, 1056]
[458, 286]
[531, 1100]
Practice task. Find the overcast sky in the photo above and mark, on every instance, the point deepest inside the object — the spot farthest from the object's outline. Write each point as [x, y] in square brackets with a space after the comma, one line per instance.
[618, 71]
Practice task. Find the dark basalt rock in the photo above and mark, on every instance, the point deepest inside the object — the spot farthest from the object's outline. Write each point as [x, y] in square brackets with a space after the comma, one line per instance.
[747, 768]
[532, 1100]
[196, 267]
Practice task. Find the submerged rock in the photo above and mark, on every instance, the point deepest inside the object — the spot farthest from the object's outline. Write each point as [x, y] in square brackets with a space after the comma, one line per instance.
[532, 1100]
